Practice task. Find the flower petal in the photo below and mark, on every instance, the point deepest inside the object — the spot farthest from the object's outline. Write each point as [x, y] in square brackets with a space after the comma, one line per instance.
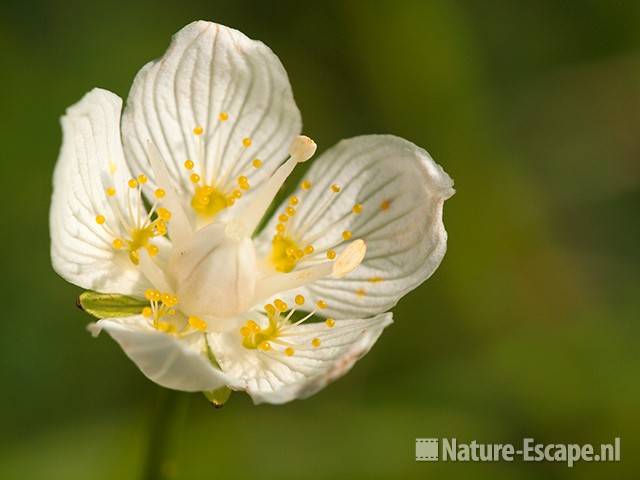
[234, 89]
[384, 190]
[90, 161]
[274, 377]
[176, 363]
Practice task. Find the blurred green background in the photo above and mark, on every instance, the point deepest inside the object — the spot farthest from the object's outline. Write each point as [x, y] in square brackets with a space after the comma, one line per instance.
[528, 329]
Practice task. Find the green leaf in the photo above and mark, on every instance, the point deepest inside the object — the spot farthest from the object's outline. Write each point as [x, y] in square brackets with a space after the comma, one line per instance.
[218, 396]
[110, 305]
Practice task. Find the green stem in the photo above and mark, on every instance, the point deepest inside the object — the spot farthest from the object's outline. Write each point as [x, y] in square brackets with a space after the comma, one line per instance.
[168, 416]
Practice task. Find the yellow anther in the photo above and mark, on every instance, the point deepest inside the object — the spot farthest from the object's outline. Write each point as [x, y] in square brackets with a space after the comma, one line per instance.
[100, 219]
[152, 250]
[245, 331]
[237, 194]
[308, 250]
[290, 211]
[133, 183]
[316, 342]
[164, 214]
[270, 309]
[299, 300]
[134, 257]
[198, 130]
[246, 142]
[117, 244]
[291, 252]
[151, 294]
[375, 279]
[165, 327]
[159, 193]
[195, 178]
[299, 253]
[253, 326]
[283, 218]
[147, 312]
[256, 163]
[346, 234]
[335, 188]
[331, 254]
[361, 292]
[306, 185]
[161, 228]
[111, 191]
[230, 201]
[243, 182]
[142, 179]
[289, 351]
[330, 322]
[188, 164]
[281, 227]
[197, 323]
[280, 305]
[293, 201]
[357, 208]
[385, 205]
[223, 117]
[321, 304]
[264, 346]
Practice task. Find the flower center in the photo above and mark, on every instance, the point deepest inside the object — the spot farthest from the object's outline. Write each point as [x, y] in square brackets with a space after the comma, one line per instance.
[140, 229]
[207, 201]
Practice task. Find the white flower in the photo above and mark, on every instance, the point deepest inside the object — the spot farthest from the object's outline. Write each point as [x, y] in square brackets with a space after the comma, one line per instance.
[165, 201]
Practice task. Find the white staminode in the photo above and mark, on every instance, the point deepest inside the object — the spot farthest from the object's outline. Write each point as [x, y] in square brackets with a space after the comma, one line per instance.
[302, 149]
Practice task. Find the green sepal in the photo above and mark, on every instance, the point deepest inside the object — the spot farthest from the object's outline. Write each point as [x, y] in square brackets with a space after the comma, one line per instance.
[219, 396]
[110, 305]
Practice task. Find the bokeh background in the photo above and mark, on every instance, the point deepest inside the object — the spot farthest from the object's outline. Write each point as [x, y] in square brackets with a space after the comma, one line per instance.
[528, 329]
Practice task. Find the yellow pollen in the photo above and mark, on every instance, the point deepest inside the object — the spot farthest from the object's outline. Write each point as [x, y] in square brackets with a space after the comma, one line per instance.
[330, 322]
[165, 327]
[321, 304]
[357, 208]
[230, 201]
[207, 201]
[142, 179]
[195, 178]
[346, 234]
[133, 183]
[306, 185]
[290, 211]
[308, 250]
[375, 279]
[270, 309]
[289, 351]
[283, 252]
[100, 219]
[283, 218]
[237, 194]
[118, 244]
[293, 201]
[152, 250]
[299, 253]
[315, 342]
[147, 312]
[281, 227]
[264, 346]
[197, 323]
[111, 191]
[253, 326]
[361, 292]
[280, 305]
[385, 205]
[188, 164]
[151, 294]
[245, 331]
[223, 117]
[243, 182]
[299, 300]
[198, 131]
[164, 214]
[335, 188]
[256, 163]
[331, 254]
[246, 142]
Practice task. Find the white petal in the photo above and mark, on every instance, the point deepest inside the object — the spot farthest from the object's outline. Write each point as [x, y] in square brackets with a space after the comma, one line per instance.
[401, 191]
[90, 161]
[177, 363]
[274, 377]
[210, 70]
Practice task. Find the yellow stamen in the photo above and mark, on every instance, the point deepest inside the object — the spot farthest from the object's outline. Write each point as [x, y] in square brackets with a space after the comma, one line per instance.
[330, 322]
[289, 351]
[198, 130]
[142, 179]
[117, 244]
[293, 201]
[321, 304]
[315, 342]
[111, 191]
[195, 178]
[133, 183]
[256, 163]
[280, 305]
[246, 142]
[385, 205]
[188, 164]
[159, 193]
[306, 185]
[299, 300]
[223, 117]
[100, 219]
[357, 208]
[197, 323]
[346, 234]
[335, 188]
[331, 254]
